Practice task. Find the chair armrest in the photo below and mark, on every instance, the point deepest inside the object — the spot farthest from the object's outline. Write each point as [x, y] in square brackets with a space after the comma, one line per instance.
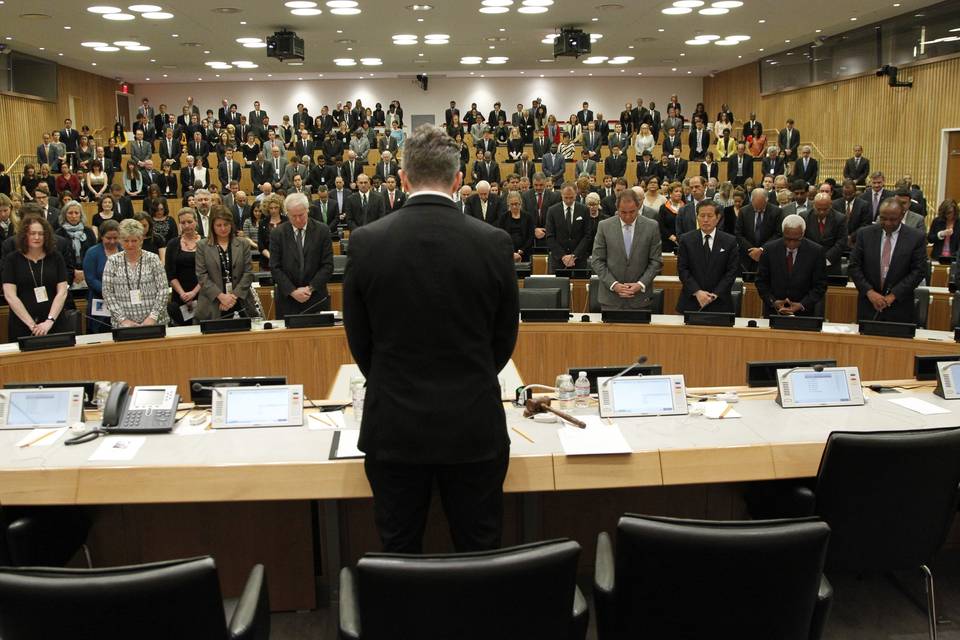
[603, 572]
[581, 616]
[251, 619]
[349, 605]
[822, 610]
[803, 502]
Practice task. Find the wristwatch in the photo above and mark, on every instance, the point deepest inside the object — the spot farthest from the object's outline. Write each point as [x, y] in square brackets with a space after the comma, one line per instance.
[51, 319]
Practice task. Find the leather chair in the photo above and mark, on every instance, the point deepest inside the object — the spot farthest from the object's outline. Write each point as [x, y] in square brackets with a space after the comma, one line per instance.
[921, 305]
[551, 282]
[159, 601]
[339, 263]
[42, 536]
[527, 591]
[889, 498]
[539, 298]
[694, 579]
[737, 298]
[656, 301]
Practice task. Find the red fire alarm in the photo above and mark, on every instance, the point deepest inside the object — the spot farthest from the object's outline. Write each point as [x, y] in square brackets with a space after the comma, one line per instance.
[124, 88]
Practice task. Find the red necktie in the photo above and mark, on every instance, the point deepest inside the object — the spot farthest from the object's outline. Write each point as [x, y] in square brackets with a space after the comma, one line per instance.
[391, 200]
[821, 228]
[539, 202]
[789, 262]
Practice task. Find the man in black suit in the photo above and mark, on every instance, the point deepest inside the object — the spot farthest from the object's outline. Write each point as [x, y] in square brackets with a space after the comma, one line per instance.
[301, 260]
[687, 218]
[671, 141]
[228, 170]
[857, 168]
[680, 166]
[304, 145]
[464, 316]
[740, 166]
[707, 264]
[364, 206]
[646, 167]
[875, 195]
[302, 115]
[655, 121]
[791, 278]
[261, 172]
[199, 148]
[487, 169]
[887, 264]
[806, 168]
[496, 115]
[639, 115]
[255, 118]
[351, 170]
[540, 145]
[524, 167]
[393, 197]
[484, 205]
[789, 140]
[615, 164]
[386, 167]
[487, 144]
[699, 141]
[325, 210]
[750, 124]
[568, 232]
[536, 202]
[321, 174]
[170, 148]
[756, 225]
[449, 113]
[855, 210]
[773, 165]
[827, 227]
[585, 115]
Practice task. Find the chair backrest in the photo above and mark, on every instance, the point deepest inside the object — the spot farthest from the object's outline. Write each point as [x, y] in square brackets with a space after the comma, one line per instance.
[518, 592]
[339, 263]
[539, 298]
[737, 298]
[955, 310]
[176, 599]
[921, 305]
[344, 246]
[593, 295]
[656, 301]
[889, 497]
[697, 579]
[551, 282]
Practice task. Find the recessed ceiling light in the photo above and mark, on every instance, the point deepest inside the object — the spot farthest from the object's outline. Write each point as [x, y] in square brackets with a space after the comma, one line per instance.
[675, 11]
[246, 40]
[620, 60]
[786, 42]
[761, 21]
[853, 19]
[630, 46]
[90, 44]
[103, 9]
[206, 51]
[713, 11]
[42, 48]
[673, 69]
[595, 60]
[341, 4]
[727, 4]
[345, 11]
[594, 20]
[344, 62]
[107, 49]
[157, 15]
[371, 62]
[174, 35]
[255, 45]
[708, 37]
[306, 12]
[300, 4]
[726, 43]
[691, 4]
[119, 17]
[60, 54]
[492, 47]
[738, 38]
[546, 60]
[541, 75]
[497, 60]
[419, 7]
[436, 36]
[689, 72]
[530, 10]
[138, 47]
[67, 27]
[144, 8]
[818, 30]
[695, 42]
[494, 9]
[419, 19]
[471, 60]
[93, 64]
[595, 36]
[126, 43]
[661, 30]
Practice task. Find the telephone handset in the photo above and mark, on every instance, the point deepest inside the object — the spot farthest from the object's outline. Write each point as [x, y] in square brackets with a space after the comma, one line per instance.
[149, 409]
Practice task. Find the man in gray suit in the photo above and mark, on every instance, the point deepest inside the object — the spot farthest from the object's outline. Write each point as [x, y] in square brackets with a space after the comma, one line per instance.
[279, 164]
[626, 275]
[140, 149]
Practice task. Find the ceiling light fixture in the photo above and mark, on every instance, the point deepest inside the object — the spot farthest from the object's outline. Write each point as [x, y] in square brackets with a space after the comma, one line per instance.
[103, 9]
[713, 11]
[299, 4]
[255, 45]
[727, 4]
[144, 8]
[119, 17]
[371, 62]
[91, 44]
[493, 9]
[157, 15]
[306, 12]
[675, 11]
[341, 4]
[690, 4]
[126, 43]
[695, 42]
[345, 11]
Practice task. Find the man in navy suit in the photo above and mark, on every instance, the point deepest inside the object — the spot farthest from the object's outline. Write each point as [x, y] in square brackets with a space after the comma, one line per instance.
[687, 218]
[791, 278]
[568, 232]
[740, 166]
[773, 164]
[707, 264]
[875, 195]
[757, 223]
[806, 168]
[887, 264]
[585, 115]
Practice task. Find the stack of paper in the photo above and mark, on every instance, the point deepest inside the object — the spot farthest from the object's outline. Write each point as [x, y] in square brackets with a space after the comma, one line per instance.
[598, 438]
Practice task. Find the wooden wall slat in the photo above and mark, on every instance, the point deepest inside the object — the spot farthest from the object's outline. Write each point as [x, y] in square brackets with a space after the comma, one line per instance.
[898, 128]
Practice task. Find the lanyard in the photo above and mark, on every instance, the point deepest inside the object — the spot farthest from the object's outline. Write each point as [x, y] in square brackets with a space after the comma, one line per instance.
[126, 270]
[226, 264]
[32, 275]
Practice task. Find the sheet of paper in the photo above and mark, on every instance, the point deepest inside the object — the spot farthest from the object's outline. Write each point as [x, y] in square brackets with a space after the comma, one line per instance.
[326, 421]
[599, 438]
[347, 444]
[118, 448]
[714, 410]
[838, 328]
[41, 437]
[920, 406]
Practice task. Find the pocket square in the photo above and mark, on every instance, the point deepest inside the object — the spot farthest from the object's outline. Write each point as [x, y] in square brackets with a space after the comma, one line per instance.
[722, 250]
[579, 217]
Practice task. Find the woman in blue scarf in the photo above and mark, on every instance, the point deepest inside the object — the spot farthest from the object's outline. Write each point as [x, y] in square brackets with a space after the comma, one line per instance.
[72, 228]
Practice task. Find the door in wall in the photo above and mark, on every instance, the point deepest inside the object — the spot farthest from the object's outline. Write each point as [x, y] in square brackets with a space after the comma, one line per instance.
[953, 166]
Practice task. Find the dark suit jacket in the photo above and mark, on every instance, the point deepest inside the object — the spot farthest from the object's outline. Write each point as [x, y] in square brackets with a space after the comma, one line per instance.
[303, 148]
[907, 266]
[540, 147]
[789, 140]
[496, 207]
[811, 172]
[357, 216]
[833, 240]
[224, 178]
[680, 168]
[867, 197]
[859, 216]
[530, 170]
[687, 219]
[381, 169]
[669, 143]
[333, 214]
[647, 169]
[806, 283]
[285, 264]
[165, 153]
[456, 353]
[857, 172]
[938, 225]
[748, 236]
[704, 145]
[713, 172]
[615, 167]
[775, 167]
[480, 172]
[349, 177]
[564, 239]
[732, 164]
[261, 172]
[539, 215]
[325, 175]
[748, 128]
[399, 199]
[715, 275]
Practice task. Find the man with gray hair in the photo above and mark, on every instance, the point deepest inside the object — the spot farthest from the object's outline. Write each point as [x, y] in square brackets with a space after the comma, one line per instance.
[301, 260]
[792, 277]
[757, 223]
[203, 200]
[806, 168]
[430, 330]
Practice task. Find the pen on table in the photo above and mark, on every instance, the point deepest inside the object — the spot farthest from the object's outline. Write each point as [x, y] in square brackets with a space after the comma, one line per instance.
[523, 435]
[723, 414]
[323, 419]
[38, 438]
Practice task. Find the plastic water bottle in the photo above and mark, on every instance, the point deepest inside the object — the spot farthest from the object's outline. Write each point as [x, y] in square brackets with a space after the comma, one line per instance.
[357, 395]
[582, 390]
[565, 389]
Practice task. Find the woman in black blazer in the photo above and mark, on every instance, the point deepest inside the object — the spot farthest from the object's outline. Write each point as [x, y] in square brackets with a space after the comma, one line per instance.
[167, 181]
[709, 168]
[668, 217]
[943, 230]
[730, 214]
[520, 226]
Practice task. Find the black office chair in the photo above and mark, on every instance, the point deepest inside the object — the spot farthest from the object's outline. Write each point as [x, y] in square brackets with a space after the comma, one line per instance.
[339, 263]
[175, 599]
[43, 536]
[921, 305]
[737, 298]
[527, 591]
[656, 301]
[344, 246]
[889, 498]
[551, 282]
[693, 579]
[539, 298]
[955, 310]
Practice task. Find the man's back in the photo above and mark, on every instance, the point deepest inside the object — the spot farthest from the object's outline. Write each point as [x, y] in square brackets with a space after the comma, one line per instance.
[430, 310]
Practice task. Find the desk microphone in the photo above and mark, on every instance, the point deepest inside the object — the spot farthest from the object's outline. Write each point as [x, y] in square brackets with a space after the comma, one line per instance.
[320, 301]
[816, 368]
[633, 365]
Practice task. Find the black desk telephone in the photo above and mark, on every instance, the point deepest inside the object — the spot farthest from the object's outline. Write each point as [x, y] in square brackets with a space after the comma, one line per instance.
[149, 409]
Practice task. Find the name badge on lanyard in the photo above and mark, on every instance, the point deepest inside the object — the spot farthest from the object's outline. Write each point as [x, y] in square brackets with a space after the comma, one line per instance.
[40, 293]
[135, 296]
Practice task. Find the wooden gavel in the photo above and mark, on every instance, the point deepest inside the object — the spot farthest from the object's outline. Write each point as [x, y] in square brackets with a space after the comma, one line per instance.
[542, 405]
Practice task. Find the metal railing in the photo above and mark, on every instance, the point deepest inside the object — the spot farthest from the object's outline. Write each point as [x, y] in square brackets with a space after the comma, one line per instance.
[15, 170]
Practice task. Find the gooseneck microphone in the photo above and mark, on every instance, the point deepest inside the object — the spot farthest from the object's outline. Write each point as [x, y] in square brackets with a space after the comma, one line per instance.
[816, 368]
[640, 360]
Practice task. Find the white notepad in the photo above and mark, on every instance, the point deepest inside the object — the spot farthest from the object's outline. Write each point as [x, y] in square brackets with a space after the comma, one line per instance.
[920, 406]
[599, 438]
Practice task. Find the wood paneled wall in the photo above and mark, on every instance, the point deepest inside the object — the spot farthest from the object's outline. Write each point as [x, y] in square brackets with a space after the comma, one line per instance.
[898, 128]
[24, 119]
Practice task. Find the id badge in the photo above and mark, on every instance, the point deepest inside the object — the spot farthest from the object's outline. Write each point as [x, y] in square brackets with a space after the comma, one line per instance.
[229, 288]
[40, 293]
[135, 297]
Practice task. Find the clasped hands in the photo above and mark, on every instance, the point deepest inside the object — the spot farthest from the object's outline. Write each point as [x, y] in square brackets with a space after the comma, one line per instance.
[628, 290]
[787, 308]
[879, 301]
[301, 294]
